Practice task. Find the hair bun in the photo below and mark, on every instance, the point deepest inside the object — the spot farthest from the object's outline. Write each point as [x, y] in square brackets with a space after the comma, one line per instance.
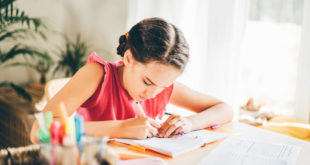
[122, 45]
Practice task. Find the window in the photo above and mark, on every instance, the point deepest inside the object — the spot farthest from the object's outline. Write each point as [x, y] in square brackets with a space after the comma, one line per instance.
[270, 54]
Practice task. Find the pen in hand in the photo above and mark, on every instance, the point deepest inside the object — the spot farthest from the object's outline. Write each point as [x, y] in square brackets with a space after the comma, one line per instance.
[141, 111]
[142, 114]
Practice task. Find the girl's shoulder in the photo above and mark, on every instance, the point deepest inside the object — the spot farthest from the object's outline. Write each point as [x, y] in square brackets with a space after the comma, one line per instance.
[96, 64]
[99, 70]
[95, 68]
[93, 57]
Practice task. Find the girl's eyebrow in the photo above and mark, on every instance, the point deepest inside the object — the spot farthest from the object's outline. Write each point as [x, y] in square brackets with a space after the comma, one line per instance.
[153, 82]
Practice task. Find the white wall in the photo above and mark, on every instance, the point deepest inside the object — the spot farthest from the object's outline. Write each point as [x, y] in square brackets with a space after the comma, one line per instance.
[100, 23]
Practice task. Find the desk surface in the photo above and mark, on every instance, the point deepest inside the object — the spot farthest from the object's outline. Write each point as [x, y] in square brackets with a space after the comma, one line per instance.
[243, 131]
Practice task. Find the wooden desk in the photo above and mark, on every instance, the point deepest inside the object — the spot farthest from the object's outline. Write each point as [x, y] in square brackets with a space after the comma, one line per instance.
[243, 131]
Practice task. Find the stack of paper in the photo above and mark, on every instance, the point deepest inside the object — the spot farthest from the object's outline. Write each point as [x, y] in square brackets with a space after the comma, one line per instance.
[249, 152]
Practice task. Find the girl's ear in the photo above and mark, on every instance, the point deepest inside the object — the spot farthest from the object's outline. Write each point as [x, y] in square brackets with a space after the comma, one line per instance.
[128, 57]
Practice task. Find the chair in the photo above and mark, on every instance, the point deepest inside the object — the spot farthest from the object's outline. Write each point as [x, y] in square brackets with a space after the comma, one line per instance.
[52, 87]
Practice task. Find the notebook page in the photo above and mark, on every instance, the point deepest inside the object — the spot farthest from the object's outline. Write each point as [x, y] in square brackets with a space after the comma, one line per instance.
[249, 152]
[178, 144]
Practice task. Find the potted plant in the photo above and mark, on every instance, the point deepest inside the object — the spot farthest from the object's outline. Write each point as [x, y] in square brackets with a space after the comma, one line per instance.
[16, 26]
[72, 57]
[39, 64]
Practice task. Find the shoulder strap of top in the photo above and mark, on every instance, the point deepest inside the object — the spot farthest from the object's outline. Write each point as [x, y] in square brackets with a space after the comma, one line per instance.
[95, 58]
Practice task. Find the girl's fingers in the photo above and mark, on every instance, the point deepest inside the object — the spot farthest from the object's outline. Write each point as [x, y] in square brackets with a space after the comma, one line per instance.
[168, 120]
[172, 128]
[178, 130]
[154, 123]
[153, 131]
[174, 120]
[173, 124]
[148, 134]
[168, 124]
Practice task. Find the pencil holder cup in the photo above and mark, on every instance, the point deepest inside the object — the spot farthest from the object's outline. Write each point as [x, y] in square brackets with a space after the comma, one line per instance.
[95, 151]
[55, 154]
[88, 151]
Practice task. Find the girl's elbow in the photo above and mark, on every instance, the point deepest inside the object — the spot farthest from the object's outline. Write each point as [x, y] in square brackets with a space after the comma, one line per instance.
[229, 111]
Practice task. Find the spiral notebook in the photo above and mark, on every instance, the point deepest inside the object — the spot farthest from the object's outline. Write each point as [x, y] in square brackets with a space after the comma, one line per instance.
[176, 145]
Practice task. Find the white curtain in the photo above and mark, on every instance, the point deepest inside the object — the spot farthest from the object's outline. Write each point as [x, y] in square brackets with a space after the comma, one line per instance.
[303, 80]
[214, 31]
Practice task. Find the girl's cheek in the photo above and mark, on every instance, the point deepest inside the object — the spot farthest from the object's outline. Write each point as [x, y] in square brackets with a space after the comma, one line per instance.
[138, 89]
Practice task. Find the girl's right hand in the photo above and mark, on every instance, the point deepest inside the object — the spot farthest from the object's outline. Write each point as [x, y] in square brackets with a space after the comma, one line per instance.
[139, 128]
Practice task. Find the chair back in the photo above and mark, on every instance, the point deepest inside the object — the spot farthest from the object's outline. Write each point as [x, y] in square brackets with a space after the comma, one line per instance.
[53, 86]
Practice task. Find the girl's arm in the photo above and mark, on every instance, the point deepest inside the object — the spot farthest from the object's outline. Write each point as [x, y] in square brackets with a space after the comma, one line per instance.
[81, 87]
[134, 128]
[210, 111]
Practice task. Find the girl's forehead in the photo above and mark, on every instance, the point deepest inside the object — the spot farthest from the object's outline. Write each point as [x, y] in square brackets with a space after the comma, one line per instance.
[160, 74]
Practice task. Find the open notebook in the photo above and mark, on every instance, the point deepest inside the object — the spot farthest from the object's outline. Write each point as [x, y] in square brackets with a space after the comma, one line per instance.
[177, 145]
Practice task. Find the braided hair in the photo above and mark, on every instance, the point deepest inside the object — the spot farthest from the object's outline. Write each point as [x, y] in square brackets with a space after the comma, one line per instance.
[154, 39]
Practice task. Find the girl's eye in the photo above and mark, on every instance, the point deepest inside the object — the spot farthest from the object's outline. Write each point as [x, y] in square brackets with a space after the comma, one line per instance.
[146, 83]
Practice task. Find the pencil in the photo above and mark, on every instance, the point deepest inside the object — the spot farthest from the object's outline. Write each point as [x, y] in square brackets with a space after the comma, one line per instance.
[140, 109]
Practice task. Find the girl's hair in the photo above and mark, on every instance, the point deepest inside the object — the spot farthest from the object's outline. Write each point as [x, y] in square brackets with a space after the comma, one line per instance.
[154, 39]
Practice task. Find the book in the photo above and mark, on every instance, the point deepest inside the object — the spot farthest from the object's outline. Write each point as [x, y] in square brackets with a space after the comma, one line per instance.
[176, 145]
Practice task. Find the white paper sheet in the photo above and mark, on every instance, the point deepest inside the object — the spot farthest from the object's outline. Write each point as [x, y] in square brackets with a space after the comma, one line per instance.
[148, 161]
[237, 151]
[178, 144]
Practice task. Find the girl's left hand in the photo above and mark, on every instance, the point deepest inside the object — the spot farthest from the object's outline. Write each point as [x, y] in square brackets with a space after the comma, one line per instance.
[174, 125]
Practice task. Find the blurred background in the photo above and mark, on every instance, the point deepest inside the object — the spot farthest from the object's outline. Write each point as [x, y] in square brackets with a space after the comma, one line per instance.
[253, 54]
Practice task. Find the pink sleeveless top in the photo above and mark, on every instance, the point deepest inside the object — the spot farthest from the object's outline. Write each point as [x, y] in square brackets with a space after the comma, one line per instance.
[111, 102]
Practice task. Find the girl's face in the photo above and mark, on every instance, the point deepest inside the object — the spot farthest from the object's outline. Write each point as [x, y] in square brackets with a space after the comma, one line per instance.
[146, 80]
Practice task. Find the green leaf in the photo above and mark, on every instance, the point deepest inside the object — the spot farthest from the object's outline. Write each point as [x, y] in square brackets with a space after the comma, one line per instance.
[72, 56]
[5, 3]
[17, 33]
[6, 12]
[17, 50]
[21, 64]
[56, 70]
[21, 92]
[42, 35]
[11, 11]
[16, 12]
[4, 84]
[18, 89]
[28, 22]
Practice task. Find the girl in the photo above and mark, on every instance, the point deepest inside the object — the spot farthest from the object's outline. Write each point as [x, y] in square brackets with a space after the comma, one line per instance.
[154, 53]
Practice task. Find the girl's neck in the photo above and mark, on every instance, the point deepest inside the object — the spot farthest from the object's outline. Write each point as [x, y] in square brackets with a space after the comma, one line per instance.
[120, 74]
